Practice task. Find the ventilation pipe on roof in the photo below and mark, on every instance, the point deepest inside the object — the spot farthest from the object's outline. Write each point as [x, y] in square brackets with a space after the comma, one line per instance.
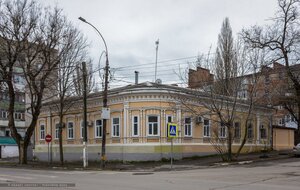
[136, 77]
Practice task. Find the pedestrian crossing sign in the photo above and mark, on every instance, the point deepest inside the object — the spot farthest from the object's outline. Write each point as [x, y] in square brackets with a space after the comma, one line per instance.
[172, 130]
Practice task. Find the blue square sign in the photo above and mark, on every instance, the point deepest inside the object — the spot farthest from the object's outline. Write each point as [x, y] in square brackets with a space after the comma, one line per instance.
[172, 130]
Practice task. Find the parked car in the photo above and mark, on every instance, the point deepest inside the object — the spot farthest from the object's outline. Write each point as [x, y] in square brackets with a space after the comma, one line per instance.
[296, 150]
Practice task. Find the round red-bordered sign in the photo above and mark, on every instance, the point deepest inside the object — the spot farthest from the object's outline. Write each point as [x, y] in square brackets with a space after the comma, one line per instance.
[48, 138]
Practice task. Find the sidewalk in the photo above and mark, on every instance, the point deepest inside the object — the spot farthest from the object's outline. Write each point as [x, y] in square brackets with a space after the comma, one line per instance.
[152, 166]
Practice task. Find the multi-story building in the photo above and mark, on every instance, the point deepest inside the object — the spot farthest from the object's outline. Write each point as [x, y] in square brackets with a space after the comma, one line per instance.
[270, 86]
[19, 113]
[137, 128]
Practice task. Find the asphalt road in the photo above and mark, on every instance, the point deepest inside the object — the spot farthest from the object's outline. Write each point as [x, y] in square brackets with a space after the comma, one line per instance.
[275, 175]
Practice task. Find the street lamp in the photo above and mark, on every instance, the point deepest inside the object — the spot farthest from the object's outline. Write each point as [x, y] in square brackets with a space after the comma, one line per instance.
[103, 151]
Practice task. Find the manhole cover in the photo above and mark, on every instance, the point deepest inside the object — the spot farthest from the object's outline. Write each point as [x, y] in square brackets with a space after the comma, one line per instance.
[142, 173]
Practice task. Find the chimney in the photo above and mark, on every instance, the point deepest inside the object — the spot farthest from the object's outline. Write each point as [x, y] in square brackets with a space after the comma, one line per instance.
[136, 77]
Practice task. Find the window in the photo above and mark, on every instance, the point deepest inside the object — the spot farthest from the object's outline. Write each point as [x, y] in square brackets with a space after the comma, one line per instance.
[169, 119]
[222, 131]
[3, 114]
[42, 131]
[237, 130]
[70, 130]
[250, 131]
[57, 130]
[153, 125]
[242, 94]
[206, 128]
[116, 127]
[135, 126]
[263, 133]
[187, 127]
[82, 132]
[18, 115]
[98, 128]
[281, 121]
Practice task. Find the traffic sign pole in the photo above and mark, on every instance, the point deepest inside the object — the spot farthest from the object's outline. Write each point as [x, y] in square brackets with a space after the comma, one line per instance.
[48, 139]
[172, 133]
[171, 153]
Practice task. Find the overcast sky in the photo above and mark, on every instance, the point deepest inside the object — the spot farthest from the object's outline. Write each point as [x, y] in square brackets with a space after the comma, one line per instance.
[184, 28]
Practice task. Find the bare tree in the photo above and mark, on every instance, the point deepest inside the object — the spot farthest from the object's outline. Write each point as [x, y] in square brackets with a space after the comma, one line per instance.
[35, 39]
[232, 91]
[69, 62]
[281, 39]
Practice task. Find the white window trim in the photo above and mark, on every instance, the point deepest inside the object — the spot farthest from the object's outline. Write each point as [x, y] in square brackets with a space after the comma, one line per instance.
[138, 126]
[158, 125]
[98, 137]
[209, 127]
[225, 135]
[44, 131]
[168, 122]
[68, 133]
[112, 127]
[81, 128]
[55, 131]
[190, 124]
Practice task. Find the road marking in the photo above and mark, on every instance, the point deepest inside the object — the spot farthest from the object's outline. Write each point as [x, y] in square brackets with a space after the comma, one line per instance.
[6, 179]
[74, 172]
[14, 176]
[40, 175]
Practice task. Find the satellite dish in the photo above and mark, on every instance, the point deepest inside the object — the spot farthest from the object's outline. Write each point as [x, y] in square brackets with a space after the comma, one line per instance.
[158, 81]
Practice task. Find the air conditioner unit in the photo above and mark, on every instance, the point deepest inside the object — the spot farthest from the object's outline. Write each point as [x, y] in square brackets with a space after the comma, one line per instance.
[199, 119]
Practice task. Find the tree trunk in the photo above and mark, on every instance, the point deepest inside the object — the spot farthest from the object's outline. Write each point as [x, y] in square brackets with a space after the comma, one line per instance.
[297, 131]
[61, 151]
[244, 139]
[229, 145]
[22, 152]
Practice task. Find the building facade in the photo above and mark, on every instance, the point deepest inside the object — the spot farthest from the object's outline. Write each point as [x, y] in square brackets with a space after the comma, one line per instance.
[19, 113]
[137, 128]
[272, 86]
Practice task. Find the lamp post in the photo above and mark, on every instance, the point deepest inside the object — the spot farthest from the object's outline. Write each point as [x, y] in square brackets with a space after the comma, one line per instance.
[103, 150]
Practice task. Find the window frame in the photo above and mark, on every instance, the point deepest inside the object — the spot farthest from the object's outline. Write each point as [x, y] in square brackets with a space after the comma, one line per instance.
[114, 126]
[56, 132]
[235, 130]
[262, 132]
[42, 132]
[100, 130]
[153, 126]
[250, 135]
[73, 134]
[188, 129]
[206, 128]
[135, 124]
[222, 131]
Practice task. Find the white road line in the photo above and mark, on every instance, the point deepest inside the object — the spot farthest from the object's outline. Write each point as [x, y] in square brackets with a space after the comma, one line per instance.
[18, 177]
[40, 175]
[5, 179]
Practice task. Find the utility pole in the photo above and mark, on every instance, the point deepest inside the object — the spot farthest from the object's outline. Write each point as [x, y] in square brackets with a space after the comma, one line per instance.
[85, 161]
[103, 149]
[156, 43]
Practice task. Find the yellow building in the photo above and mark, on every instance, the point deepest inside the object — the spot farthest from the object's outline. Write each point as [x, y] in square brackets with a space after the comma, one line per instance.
[137, 128]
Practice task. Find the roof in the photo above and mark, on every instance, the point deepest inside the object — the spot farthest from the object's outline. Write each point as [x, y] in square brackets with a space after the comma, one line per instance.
[150, 87]
[7, 141]
[283, 127]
